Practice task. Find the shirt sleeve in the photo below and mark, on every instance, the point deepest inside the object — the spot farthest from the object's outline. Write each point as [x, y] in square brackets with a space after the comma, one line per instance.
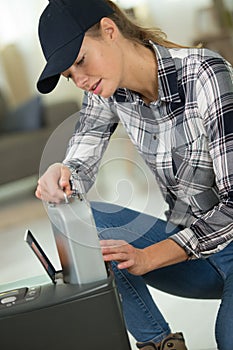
[213, 231]
[86, 147]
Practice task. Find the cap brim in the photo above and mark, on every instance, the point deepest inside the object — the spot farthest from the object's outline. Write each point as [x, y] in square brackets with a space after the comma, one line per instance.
[60, 61]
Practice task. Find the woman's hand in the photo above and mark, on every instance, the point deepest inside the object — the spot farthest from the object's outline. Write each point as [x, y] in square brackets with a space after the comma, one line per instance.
[140, 261]
[54, 183]
[128, 257]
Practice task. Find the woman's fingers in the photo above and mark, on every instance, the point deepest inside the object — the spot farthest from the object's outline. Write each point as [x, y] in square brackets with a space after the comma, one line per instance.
[115, 250]
[125, 254]
[64, 181]
[53, 183]
[112, 243]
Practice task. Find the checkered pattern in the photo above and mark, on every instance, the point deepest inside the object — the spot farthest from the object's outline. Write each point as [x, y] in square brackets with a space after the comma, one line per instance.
[185, 137]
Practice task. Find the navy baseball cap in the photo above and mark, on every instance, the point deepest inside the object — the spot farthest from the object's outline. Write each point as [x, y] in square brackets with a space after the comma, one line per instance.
[62, 27]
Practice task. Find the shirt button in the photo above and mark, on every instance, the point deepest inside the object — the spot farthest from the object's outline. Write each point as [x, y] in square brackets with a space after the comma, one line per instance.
[154, 137]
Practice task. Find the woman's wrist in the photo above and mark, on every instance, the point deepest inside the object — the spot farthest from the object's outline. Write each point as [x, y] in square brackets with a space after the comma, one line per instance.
[162, 254]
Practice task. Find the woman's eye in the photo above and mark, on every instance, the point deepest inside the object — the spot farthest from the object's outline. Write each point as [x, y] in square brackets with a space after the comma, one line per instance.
[81, 61]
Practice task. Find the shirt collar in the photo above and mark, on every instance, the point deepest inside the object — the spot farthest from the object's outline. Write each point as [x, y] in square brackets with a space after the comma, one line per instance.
[167, 74]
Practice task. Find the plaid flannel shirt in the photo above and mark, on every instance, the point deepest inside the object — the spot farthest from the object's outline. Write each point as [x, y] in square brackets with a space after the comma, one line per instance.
[185, 137]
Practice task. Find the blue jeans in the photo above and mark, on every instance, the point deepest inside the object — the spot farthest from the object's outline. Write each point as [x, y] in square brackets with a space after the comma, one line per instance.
[210, 278]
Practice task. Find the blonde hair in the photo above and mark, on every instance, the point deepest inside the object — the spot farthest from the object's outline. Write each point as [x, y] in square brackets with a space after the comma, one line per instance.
[133, 31]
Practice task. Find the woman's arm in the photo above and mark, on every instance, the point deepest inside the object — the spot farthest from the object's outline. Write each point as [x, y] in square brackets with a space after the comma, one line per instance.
[212, 231]
[86, 147]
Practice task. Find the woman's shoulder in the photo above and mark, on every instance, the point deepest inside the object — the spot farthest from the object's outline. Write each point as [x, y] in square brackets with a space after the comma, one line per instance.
[189, 61]
[197, 55]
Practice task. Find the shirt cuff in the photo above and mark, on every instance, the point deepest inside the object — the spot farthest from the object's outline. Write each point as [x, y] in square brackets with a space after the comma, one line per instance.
[80, 183]
[189, 242]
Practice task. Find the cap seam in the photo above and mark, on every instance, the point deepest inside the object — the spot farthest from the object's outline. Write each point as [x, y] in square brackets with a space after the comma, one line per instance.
[58, 48]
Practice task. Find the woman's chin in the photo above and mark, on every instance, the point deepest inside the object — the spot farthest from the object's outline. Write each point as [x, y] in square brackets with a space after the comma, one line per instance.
[107, 94]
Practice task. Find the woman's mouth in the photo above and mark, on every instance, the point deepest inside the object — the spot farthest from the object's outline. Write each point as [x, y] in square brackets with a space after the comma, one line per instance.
[96, 87]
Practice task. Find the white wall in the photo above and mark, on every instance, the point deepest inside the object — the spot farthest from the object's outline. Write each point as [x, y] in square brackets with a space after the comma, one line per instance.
[19, 25]
[19, 22]
[177, 18]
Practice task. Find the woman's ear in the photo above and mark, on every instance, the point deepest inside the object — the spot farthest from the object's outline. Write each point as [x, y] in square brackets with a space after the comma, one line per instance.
[108, 28]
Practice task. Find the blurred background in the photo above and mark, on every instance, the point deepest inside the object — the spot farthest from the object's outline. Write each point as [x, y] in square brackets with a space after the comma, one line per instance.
[29, 128]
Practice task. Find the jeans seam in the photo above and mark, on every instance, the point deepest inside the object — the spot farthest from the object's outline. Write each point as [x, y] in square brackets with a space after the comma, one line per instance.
[216, 267]
[103, 229]
[143, 306]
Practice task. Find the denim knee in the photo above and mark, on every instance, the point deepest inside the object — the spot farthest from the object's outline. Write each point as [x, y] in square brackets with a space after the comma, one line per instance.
[224, 323]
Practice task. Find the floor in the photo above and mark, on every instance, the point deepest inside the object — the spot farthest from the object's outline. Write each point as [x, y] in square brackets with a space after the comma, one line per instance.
[121, 181]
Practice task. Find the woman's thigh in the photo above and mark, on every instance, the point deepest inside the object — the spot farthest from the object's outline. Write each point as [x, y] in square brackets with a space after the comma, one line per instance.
[202, 278]
[194, 278]
[116, 222]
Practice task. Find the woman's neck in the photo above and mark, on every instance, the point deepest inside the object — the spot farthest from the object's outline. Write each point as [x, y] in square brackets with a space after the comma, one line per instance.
[141, 75]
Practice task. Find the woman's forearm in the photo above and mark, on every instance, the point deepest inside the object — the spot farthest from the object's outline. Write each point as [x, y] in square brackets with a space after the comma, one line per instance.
[162, 254]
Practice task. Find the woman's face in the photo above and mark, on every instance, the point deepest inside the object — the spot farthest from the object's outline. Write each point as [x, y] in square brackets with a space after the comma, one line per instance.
[99, 67]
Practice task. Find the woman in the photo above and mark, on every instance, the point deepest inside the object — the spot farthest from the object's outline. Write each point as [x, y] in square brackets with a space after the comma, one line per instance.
[176, 105]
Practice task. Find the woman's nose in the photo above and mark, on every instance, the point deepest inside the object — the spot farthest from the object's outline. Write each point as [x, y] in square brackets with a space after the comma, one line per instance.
[80, 81]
